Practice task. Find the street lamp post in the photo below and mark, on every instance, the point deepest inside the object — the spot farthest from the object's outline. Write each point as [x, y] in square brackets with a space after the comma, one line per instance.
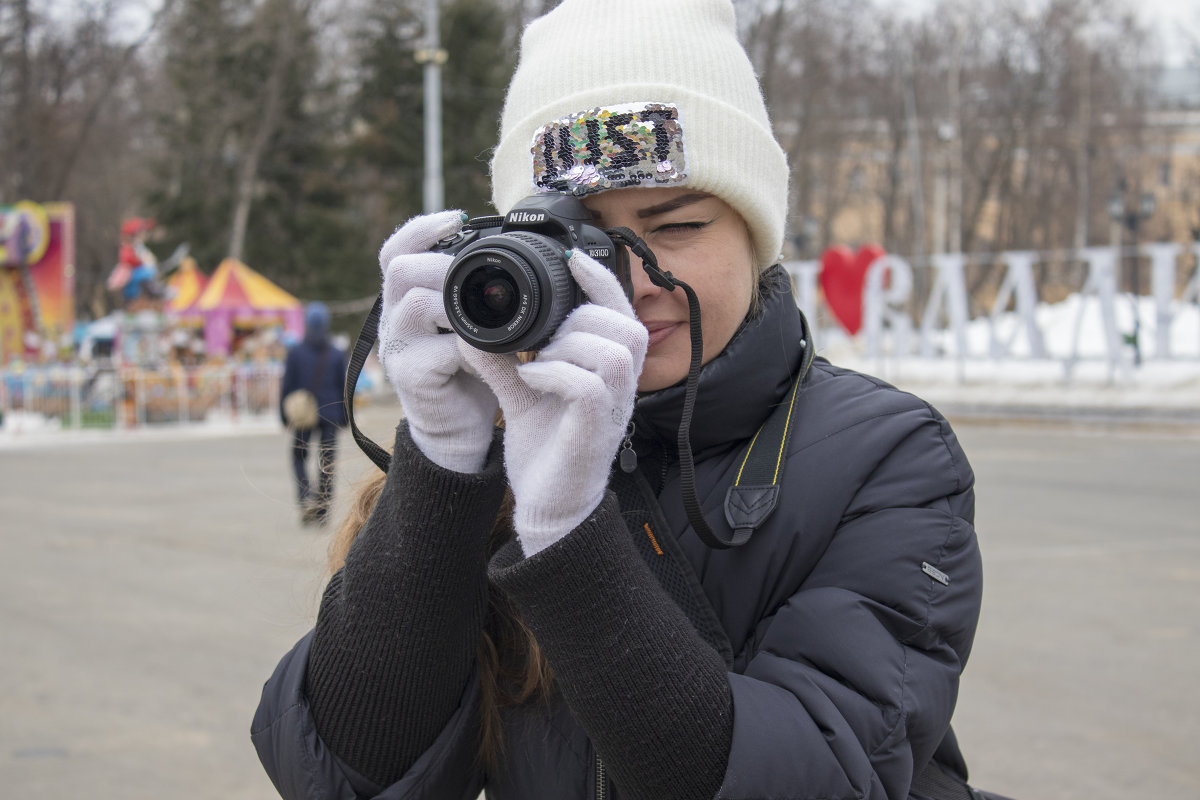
[432, 57]
[1131, 218]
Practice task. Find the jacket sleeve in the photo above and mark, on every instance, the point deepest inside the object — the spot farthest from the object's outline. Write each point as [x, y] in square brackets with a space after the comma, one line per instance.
[383, 688]
[847, 687]
[651, 694]
[302, 767]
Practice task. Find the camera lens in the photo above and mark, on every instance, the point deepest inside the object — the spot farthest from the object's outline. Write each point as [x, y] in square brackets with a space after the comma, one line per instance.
[508, 292]
[490, 297]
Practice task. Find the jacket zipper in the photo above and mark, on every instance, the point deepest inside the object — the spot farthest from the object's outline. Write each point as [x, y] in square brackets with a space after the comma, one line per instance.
[601, 778]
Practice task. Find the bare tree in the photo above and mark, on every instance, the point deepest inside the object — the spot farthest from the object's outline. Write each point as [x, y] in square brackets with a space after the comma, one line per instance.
[71, 120]
[279, 19]
[243, 127]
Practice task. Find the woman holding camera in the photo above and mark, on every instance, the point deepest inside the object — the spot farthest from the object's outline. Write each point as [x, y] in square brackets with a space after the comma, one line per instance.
[537, 610]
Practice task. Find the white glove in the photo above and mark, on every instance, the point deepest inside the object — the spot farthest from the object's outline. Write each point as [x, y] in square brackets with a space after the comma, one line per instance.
[566, 412]
[450, 411]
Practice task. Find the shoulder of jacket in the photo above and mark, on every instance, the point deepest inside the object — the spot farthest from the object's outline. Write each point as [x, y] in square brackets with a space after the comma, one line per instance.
[843, 404]
[857, 394]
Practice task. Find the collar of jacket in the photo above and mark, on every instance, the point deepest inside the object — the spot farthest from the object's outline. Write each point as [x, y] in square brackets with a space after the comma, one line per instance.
[739, 387]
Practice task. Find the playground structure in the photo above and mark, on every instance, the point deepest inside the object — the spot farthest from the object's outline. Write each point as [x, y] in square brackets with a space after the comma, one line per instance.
[164, 306]
[181, 347]
[37, 278]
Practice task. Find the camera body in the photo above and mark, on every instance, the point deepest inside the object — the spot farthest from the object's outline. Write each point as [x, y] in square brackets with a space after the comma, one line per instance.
[509, 288]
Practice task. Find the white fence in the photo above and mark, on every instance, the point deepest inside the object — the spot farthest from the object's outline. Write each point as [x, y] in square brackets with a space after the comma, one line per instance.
[71, 396]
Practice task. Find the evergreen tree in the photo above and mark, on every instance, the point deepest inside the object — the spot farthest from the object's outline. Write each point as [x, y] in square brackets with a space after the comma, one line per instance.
[248, 109]
[388, 108]
[198, 122]
[387, 115]
[306, 229]
[480, 40]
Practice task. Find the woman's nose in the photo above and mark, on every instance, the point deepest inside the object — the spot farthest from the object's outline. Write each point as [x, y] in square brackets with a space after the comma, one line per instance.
[643, 287]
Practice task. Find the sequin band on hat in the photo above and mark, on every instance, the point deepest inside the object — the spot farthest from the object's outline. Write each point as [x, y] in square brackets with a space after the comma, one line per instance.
[638, 144]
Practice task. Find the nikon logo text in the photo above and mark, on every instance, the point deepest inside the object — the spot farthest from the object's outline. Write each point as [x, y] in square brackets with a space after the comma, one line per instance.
[526, 217]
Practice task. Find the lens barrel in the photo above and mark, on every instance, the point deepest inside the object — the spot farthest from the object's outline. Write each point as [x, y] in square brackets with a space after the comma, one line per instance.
[509, 292]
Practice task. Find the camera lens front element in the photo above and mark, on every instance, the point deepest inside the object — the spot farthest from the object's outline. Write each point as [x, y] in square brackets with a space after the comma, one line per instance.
[490, 297]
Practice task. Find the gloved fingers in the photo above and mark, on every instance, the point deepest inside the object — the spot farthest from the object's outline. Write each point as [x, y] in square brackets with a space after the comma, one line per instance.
[419, 312]
[432, 365]
[415, 355]
[598, 283]
[471, 385]
[611, 361]
[609, 324]
[499, 372]
[413, 363]
[580, 388]
[419, 234]
[404, 272]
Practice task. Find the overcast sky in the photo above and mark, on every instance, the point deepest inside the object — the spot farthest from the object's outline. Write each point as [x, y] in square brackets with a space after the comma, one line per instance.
[1177, 23]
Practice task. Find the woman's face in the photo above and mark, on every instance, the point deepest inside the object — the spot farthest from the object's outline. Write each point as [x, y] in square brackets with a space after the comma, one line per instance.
[702, 241]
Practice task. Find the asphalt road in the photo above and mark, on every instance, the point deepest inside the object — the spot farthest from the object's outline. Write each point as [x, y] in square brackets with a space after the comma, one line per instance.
[151, 584]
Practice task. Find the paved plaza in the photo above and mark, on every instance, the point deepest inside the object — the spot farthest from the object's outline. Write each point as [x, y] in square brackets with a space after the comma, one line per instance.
[153, 581]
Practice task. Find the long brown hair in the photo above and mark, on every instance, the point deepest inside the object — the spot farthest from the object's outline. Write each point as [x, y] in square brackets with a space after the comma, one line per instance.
[512, 669]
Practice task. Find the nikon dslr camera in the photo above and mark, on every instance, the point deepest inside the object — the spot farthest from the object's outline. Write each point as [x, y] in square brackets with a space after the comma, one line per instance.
[509, 287]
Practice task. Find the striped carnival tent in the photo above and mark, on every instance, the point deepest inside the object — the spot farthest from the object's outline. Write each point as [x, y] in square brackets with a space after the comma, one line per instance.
[184, 287]
[237, 297]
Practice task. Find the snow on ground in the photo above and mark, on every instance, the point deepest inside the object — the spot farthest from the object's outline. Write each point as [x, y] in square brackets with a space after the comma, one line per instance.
[1074, 379]
[23, 430]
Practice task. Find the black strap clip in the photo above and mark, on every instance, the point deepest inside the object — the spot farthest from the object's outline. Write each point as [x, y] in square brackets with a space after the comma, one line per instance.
[755, 490]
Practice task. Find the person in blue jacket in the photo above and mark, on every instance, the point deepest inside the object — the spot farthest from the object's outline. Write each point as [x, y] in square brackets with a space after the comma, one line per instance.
[317, 364]
[515, 610]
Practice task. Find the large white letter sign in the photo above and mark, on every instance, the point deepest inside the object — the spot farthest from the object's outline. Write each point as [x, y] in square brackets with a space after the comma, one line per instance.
[1101, 282]
[804, 287]
[949, 289]
[1020, 287]
[1162, 285]
[888, 288]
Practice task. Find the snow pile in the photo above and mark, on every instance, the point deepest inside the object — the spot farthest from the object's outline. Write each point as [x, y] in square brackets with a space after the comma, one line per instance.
[1077, 376]
[16, 422]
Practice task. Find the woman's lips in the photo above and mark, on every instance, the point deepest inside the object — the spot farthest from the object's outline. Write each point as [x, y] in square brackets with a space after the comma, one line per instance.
[659, 331]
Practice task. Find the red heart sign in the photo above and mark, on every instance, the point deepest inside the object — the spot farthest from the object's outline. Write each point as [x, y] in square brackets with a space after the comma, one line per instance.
[843, 276]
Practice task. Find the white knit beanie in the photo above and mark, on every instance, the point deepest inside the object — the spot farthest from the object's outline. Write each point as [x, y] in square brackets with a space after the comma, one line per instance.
[615, 93]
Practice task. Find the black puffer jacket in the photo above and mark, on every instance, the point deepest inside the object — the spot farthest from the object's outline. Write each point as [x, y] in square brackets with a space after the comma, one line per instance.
[844, 654]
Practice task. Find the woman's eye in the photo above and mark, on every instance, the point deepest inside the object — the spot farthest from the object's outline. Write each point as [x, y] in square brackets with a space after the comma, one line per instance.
[680, 227]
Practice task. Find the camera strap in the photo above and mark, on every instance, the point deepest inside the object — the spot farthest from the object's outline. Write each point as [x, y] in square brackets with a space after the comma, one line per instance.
[362, 348]
[755, 490]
